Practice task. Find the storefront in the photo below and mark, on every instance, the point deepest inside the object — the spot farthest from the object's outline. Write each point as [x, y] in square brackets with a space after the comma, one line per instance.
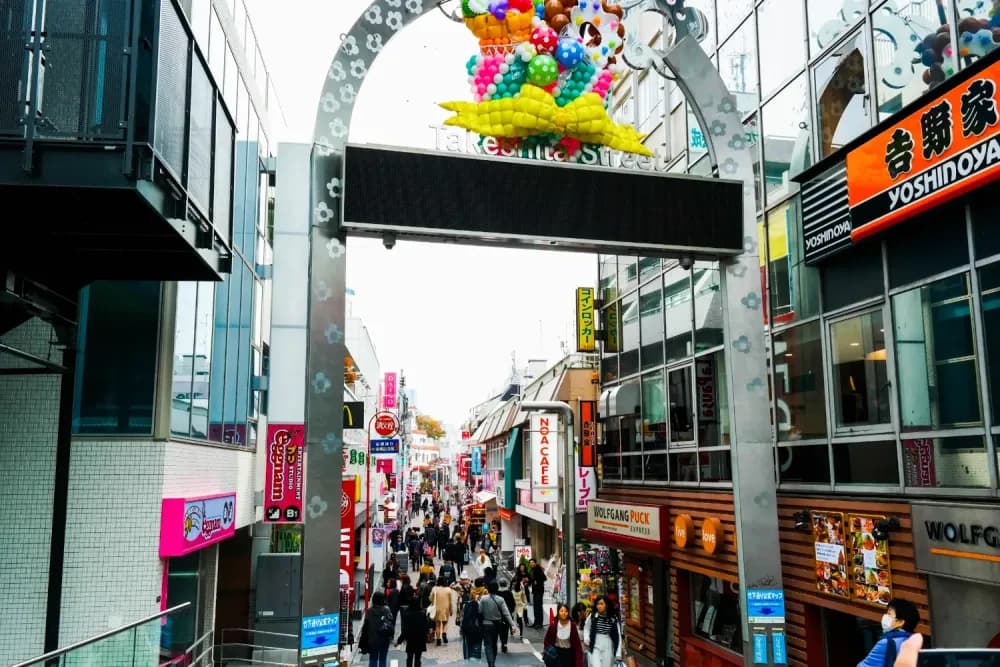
[842, 561]
[190, 529]
[958, 547]
[639, 532]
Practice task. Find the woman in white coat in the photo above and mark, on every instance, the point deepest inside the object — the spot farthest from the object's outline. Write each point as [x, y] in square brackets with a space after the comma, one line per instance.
[601, 637]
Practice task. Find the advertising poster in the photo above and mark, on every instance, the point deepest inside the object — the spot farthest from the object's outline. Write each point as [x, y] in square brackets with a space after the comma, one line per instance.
[871, 576]
[831, 556]
[284, 473]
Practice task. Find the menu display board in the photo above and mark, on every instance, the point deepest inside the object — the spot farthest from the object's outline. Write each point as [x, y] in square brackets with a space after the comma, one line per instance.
[831, 557]
[871, 576]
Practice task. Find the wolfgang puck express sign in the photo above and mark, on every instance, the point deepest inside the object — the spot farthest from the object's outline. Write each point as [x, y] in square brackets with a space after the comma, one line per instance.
[938, 152]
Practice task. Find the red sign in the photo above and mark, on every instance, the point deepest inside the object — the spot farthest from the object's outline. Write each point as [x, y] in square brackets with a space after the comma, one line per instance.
[918, 462]
[466, 435]
[588, 434]
[386, 424]
[347, 533]
[284, 473]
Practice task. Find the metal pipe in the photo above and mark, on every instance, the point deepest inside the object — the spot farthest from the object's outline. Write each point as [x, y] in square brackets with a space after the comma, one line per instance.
[569, 489]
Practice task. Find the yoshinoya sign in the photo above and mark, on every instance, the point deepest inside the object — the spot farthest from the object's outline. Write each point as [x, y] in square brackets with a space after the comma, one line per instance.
[940, 150]
[628, 520]
[190, 524]
[544, 435]
[957, 540]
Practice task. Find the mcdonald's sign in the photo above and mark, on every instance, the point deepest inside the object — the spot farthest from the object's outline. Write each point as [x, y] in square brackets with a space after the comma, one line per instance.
[354, 414]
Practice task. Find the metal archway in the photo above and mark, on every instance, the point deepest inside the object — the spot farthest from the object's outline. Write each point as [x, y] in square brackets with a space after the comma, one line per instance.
[716, 111]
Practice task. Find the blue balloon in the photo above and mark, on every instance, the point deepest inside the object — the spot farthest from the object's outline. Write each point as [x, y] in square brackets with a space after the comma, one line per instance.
[569, 53]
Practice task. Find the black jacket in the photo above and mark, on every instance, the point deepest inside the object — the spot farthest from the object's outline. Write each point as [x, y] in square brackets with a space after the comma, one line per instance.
[414, 630]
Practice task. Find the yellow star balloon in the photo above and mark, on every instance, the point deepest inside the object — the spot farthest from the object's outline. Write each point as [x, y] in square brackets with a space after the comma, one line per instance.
[536, 112]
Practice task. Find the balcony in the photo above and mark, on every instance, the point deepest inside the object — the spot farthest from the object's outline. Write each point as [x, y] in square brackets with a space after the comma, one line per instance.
[116, 147]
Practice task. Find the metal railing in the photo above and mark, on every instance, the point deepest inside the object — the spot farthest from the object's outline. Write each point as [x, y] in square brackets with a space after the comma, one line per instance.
[133, 645]
[241, 647]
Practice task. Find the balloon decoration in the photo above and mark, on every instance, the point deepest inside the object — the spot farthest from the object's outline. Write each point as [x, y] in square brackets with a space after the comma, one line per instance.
[976, 37]
[543, 74]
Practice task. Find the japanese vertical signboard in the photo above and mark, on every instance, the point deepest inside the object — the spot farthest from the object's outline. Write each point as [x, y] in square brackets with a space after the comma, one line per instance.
[389, 391]
[544, 430]
[347, 497]
[945, 148]
[586, 487]
[477, 460]
[284, 473]
[588, 433]
[586, 340]
[612, 341]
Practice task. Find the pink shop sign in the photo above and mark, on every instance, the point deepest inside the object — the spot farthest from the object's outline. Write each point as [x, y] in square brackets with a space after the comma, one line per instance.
[189, 524]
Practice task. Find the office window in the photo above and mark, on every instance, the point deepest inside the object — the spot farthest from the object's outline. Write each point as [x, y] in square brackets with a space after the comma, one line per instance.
[651, 324]
[841, 91]
[828, 22]
[989, 285]
[681, 413]
[800, 398]
[738, 65]
[731, 14]
[806, 464]
[116, 366]
[677, 312]
[936, 356]
[712, 399]
[203, 360]
[781, 36]
[961, 462]
[860, 381]
[183, 372]
[707, 305]
[793, 286]
[866, 463]
[786, 137]
[628, 362]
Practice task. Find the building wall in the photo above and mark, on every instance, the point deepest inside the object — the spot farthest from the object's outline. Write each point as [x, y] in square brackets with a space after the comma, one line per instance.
[29, 411]
[193, 470]
[113, 573]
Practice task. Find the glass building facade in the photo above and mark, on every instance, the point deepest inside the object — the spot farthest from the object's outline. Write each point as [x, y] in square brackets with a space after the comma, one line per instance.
[220, 336]
[881, 373]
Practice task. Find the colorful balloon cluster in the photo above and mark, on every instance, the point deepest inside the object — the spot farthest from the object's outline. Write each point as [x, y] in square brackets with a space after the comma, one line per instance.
[566, 48]
[976, 38]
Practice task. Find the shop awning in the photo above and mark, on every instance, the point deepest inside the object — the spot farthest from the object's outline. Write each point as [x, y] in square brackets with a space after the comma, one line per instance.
[484, 497]
[620, 400]
[512, 470]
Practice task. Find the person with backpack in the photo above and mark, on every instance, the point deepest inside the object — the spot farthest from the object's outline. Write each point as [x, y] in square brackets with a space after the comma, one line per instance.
[471, 629]
[447, 573]
[377, 631]
[494, 612]
[414, 632]
[898, 623]
[508, 599]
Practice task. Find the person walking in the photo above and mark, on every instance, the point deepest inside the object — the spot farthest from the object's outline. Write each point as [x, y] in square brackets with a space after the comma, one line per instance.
[898, 623]
[508, 599]
[441, 598]
[564, 637]
[482, 562]
[414, 632]
[493, 611]
[471, 628]
[377, 631]
[538, 580]
[601, 637]
[520, 593]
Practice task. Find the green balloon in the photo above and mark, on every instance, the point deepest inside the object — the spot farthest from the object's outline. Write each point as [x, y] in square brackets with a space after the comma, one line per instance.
[543, 70]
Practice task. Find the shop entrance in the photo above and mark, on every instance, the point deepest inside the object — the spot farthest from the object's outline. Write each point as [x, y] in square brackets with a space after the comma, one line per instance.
[847, 638]
[395, 194]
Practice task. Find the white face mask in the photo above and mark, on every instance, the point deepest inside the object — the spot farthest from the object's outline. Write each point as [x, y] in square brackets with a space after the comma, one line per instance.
[887, 622]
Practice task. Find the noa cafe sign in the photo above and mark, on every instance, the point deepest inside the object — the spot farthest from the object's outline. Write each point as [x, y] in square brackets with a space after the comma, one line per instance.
[544, 436]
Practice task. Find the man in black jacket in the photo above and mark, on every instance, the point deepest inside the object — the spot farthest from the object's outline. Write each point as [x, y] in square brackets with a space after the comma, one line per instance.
[508, 599]
[538, 580]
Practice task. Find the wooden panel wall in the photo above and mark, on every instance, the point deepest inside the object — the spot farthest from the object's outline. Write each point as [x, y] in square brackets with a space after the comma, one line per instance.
[642, 640]
[798, 571]
[699, 505]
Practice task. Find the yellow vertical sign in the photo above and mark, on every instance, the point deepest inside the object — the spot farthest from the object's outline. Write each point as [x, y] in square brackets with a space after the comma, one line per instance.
[586, 327]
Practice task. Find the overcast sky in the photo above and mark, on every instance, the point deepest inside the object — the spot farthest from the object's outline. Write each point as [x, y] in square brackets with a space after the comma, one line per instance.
[448, 316]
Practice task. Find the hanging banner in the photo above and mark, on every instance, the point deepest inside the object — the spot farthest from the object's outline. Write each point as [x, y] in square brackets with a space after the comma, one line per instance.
[284, 473]
[477, 461]
[544, 430]
[389, 391]
[347, 496]
[586, 487]
[586, 340]
[588, 434]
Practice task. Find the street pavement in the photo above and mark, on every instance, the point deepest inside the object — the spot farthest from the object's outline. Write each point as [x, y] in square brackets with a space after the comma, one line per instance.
[522, 651]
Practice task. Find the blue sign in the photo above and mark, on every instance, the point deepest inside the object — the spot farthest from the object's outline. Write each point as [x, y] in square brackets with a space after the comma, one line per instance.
[766, 605]
[477, 460]
[759, 649]
[778, 648]
[320, 634]
[389, 446]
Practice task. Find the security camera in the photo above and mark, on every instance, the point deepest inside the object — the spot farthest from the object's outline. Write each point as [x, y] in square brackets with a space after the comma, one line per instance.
[389, 240]
[687, 263]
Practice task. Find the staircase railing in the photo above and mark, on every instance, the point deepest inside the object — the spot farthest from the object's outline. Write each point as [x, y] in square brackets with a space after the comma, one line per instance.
[136, 644]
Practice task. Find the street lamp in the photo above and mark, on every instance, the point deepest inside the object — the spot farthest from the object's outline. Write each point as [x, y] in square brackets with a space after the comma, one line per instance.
[569, 487]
